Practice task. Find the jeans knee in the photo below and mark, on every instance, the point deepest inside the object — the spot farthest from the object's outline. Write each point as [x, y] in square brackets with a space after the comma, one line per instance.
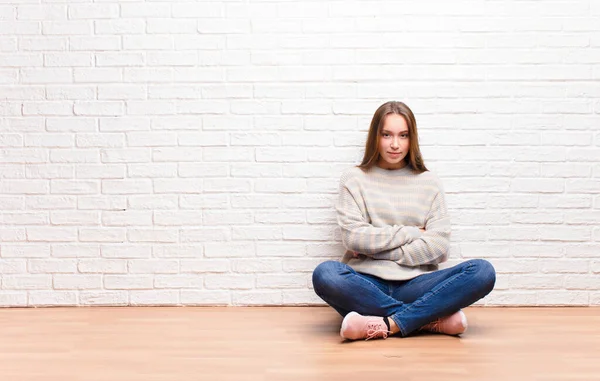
[485, 274]
[324, 276]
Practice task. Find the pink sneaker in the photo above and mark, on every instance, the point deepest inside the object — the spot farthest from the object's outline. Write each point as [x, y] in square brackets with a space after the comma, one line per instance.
[454, 324]
[356, 326]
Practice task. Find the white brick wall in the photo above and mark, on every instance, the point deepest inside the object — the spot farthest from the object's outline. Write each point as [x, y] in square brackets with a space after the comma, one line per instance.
[182, 152]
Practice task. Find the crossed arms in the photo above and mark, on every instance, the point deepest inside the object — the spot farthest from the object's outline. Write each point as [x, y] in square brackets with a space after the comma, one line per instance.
[405, 245]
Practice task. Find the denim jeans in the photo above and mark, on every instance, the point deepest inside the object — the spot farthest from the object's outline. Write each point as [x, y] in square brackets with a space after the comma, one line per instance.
[411, 303]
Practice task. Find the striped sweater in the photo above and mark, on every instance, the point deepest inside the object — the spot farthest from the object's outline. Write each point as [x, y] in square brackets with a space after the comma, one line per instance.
[380, 213]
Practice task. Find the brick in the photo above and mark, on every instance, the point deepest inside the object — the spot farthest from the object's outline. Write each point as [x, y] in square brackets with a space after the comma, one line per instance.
[178, 185]
[205, 266]
[255, 201]
[74, 93]
[41, 12]
[205, 234]
[565, 266]
[13, 266]
[127, 186]
[93, 11]
[12, 203]
[154, 298]
[154, 266]
[177, 218]
[152, 235]
[566, 170]
[48, 108]
[127, 218]
[128, 282]
[51, 234]
[568, 234]
[52, 298]
[43, 43]
[103, 298]
[122, 25]
[266, 233]
[562, 298]
[208, 201]
[152, 170]
[124, 124]
[13, 299]
[27, 282]
[76, 218]
[282, 249]
[152, 42]
[205, 298]
[150, 107]
[227, 250]
[281, 281]
[511, 298]
[202, 170]
[68, 59]
[79, 250]
[301, 297]
[24, 218]
[75, 187]
[8, 76]
[257, 298]
[145, 10]
[78, 155]
[150, 202]
[72, 124]
[102, 203]
[229, 282]
[227, 185]
[102, 266]
[77, 282]
[102, 234]
[178, 154]
[538, 185]
[95, 43]
[100, 171]
[256, 266]
[177, 251]
[179, 281]
[48, 140]
[99, 108]
[126, 251]
[122, 92]
[281, 217]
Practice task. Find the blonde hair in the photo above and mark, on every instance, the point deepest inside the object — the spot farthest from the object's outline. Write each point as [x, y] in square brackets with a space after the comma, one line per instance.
[372, 154]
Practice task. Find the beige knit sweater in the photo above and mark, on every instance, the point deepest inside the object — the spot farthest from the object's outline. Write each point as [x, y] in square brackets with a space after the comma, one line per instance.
[380, 212]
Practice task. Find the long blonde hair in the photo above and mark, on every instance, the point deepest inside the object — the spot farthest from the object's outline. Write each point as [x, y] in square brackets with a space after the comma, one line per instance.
[372, 155]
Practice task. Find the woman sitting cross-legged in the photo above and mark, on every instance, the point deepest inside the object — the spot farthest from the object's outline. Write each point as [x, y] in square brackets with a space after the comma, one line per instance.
[395, 227]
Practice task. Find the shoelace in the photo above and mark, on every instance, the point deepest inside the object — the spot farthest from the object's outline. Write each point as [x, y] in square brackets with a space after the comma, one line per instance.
[434, 326]
[374, 329]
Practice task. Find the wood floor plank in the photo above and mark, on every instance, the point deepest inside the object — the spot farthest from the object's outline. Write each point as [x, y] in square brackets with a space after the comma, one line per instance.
[289, 343]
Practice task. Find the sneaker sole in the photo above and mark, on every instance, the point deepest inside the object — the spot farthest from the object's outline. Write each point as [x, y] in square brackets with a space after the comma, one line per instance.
[345, 323]
[463, 320]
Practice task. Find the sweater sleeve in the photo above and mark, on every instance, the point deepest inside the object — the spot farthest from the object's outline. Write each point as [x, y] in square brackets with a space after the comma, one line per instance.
[432, 246]
[360, 236]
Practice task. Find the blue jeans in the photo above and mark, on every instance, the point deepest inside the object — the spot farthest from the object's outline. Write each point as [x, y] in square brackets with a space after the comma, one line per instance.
[411, 303]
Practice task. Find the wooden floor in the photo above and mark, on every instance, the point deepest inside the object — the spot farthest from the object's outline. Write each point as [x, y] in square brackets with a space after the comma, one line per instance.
[299, 343]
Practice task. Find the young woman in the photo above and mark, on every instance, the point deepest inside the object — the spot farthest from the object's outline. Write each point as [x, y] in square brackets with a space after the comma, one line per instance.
[395, 227]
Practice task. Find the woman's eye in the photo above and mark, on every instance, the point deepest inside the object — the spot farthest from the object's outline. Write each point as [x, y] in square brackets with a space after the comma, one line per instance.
[404, 136]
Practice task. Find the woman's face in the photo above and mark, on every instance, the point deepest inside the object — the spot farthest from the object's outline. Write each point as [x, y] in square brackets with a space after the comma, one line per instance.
[393, 142]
